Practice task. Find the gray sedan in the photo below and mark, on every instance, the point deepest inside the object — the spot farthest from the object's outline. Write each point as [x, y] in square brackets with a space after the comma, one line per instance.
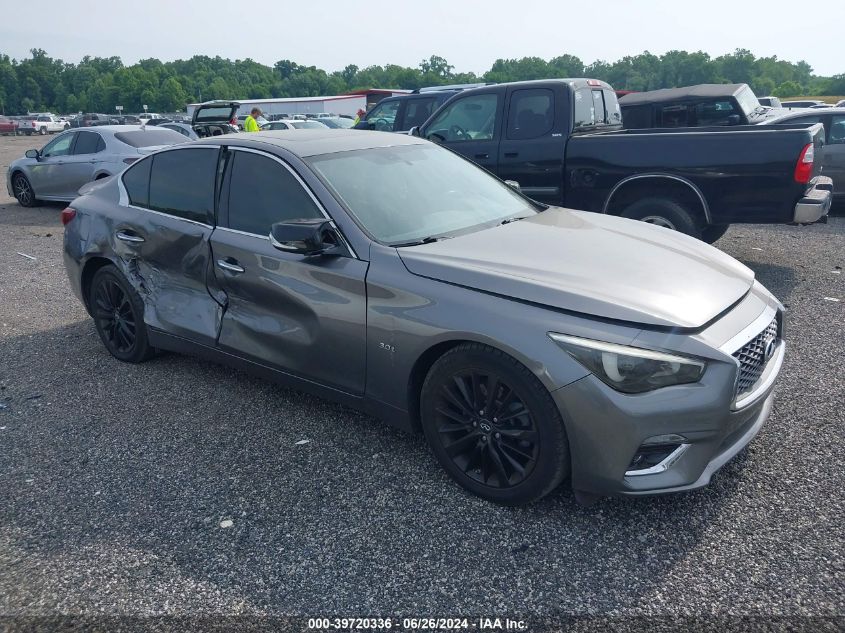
[833, 119]
[75, 157]
[529, 344]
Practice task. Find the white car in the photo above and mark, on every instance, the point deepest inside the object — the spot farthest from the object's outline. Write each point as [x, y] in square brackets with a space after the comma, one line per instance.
[146, 117]
[293, 124]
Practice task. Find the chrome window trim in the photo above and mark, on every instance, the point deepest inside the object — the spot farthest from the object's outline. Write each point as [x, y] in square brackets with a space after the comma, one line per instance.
[665, 464]
[302, 184]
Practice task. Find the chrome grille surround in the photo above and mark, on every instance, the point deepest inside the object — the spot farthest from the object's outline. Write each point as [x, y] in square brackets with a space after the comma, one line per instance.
[752, 357]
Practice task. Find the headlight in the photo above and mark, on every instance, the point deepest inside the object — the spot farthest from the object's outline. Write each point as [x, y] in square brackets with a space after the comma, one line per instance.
[630, 369]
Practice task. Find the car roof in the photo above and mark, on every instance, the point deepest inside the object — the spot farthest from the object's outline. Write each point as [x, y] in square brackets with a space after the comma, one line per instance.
[701, 91]
[806, 112]
[305, 143]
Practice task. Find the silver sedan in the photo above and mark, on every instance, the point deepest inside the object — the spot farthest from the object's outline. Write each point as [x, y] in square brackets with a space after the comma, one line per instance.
[75, 157]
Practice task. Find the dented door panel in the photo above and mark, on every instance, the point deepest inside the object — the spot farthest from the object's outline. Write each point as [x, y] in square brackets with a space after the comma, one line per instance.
[303, 315]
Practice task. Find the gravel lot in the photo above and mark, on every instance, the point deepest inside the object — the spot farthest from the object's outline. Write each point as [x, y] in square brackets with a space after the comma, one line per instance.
[116, 481]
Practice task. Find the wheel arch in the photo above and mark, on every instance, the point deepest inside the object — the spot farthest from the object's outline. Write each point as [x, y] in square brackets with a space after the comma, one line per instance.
[678, 188]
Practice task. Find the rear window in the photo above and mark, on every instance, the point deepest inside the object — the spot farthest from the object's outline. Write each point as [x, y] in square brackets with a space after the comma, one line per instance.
[596, 106]
[223, 113]
[149, 137]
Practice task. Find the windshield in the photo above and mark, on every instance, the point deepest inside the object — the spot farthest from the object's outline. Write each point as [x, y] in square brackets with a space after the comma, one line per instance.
[413, 192]
[337, 122]
[150, 137]
[747, 101]
[307, 125]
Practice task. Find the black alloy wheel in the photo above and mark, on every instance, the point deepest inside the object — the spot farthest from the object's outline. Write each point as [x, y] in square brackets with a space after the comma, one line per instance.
[493, 426]
[23, 191]
[118, 316]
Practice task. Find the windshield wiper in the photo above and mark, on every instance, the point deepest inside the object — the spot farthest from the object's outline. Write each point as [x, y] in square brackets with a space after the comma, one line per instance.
[514, 219]
[422, 240]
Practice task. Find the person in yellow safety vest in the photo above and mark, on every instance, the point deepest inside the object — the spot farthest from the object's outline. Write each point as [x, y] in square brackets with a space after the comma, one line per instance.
[361, 115]
[250, 124]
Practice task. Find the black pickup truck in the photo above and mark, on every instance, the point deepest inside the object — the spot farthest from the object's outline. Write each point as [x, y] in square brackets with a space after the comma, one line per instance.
[562, 141]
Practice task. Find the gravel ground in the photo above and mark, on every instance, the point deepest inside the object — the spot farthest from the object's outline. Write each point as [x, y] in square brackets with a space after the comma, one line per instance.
[118, 482]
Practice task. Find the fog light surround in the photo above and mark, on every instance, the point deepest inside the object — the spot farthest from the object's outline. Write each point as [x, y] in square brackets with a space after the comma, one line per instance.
[657, 454]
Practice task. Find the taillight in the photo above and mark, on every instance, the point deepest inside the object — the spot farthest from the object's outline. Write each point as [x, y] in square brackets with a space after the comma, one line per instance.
[33, 124]
[804, 166]
[68, 215]
[130, 160]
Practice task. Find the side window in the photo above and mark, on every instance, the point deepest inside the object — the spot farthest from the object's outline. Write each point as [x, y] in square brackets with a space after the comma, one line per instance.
[182, 183]
[714, 112]
[136, 180]
[674, 116]
[637, 117]
[263, 192]
[59, 146]
[86, 143]
[417, 112]
[532, 114]
[584, 112]
[471, 118]
[598, 106]
[383, 116]
[837, 130]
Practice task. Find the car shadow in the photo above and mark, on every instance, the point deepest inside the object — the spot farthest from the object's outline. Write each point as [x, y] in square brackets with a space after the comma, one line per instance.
[123, 478]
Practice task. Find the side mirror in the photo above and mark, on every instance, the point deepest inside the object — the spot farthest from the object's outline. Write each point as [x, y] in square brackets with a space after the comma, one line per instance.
[414, 131]
[32, 153]
[733, 119]
[306, 237]
[513, 184]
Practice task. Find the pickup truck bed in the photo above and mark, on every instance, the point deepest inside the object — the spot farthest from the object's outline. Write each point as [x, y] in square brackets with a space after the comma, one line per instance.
[562, 141]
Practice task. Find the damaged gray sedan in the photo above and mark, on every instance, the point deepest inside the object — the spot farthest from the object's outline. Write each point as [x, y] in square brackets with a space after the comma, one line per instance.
[529, 344]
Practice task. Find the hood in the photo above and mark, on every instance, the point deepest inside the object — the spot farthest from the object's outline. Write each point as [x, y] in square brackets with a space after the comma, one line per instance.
[215, 112]
[592, 264]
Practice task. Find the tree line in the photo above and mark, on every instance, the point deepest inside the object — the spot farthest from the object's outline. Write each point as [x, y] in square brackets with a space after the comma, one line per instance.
[98, 84]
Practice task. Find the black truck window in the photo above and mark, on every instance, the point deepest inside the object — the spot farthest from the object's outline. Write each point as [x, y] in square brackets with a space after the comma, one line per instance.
[673, 116]
[531, 114]
[583, 108]
[471, 118]
[715, 112]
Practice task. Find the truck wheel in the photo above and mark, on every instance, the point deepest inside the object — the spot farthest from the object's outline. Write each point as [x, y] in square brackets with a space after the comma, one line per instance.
[664, 212]
[713, 232]
[42, 131]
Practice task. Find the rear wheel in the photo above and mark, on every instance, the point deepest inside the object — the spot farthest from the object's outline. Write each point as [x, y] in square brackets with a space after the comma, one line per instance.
[664, 212]
[713, 232]
[42, 131]
[23, 191]
[119, 316]
[493, 426]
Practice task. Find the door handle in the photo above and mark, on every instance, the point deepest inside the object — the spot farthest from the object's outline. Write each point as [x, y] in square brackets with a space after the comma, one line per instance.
[128, 237]
[232, 268]
[483, 155]
[511, 154]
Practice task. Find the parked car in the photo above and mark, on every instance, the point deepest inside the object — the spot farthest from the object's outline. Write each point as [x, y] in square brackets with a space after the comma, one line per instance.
[833, 120]
[44, 124]
[705, 105]
[542, 134]
[840, 104]
[770, 102]
[805, 103]
[146, 117]
[92, 119]
[75, 157]
[402, 112]
[337, 123]
[294, 124]
[399, 278]
[7, 126]
[214, 118]
[183, 128]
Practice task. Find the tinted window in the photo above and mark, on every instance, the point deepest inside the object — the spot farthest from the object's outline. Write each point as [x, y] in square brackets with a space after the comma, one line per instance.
[59, 146]
[150, 137]
[383, 116]
[417, 112]
[637, 117]
[263, 192]
[471, 118]
[674, 116]
[715, 112]
[804, 120]
[86, 143]
[182, 183]
[136, 180]
[837, 130]
[532, 114]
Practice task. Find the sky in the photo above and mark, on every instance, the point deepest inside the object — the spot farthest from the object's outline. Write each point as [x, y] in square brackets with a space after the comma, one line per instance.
[470, 34]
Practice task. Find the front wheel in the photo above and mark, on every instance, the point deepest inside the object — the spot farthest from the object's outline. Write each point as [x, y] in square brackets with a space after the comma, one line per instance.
[664, 212]
[42, 131]
[23, 191]
[713, 232]
[119, 316]
[493, 426]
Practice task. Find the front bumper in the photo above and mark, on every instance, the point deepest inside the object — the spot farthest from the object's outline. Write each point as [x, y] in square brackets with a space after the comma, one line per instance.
[607, 428]
[816, 202]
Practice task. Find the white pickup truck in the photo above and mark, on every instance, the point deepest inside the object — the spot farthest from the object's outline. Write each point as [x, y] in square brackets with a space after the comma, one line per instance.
[42, 124]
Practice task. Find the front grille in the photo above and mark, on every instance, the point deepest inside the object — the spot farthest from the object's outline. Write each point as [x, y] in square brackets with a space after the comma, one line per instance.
[752, 357]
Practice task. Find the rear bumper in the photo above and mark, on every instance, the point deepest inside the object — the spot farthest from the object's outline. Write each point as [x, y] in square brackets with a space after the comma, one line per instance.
[815, 204]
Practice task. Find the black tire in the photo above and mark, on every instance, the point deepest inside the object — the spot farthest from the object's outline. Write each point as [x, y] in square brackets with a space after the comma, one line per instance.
[42, 131]
[118, 314]
[512, 451]
[24, 193]
[664, 212]
[713, 232]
